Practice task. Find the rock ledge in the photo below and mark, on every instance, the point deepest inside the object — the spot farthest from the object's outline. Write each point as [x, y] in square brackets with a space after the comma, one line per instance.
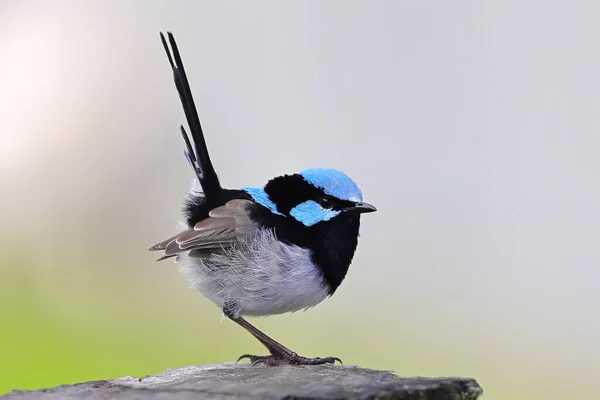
[243, 381]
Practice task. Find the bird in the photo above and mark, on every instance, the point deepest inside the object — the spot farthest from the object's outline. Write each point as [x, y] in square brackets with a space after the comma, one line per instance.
[260, 251]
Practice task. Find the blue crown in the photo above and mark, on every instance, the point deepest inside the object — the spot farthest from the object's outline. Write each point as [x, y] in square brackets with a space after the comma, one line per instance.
[333, 182]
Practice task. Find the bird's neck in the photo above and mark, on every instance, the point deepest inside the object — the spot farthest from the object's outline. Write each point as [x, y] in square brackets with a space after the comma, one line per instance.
[334, 249]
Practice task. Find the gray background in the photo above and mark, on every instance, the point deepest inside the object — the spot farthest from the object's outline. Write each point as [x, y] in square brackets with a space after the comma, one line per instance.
[472, 126]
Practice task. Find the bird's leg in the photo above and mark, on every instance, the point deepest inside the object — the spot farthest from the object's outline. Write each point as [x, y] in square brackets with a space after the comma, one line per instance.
[279, 353]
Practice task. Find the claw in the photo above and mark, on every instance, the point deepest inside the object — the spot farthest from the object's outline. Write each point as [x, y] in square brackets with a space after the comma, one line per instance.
[240, 358]
[294, 359]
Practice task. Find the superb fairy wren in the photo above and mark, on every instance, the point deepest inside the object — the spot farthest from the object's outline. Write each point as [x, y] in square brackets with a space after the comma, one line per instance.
[260, 251]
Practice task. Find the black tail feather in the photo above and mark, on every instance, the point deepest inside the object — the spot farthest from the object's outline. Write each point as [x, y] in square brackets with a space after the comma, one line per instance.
[197, 155]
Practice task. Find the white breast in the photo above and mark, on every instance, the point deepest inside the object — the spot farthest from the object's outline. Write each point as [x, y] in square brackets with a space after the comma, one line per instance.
[259, 277]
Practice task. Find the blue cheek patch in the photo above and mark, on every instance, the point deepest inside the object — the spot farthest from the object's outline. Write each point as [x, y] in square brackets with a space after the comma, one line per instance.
[310, 213]
[333, 183]
[261, 197]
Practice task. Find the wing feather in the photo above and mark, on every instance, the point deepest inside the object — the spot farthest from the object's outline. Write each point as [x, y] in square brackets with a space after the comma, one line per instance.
[224, 226]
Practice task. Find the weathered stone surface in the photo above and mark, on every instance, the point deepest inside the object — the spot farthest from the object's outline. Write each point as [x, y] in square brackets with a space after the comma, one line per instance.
[242, 381]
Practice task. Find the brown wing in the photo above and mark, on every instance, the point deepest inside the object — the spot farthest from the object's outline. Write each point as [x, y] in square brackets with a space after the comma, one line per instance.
[225, 225]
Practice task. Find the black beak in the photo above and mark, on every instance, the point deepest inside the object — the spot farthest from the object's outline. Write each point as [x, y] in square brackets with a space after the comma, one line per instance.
[361, 207]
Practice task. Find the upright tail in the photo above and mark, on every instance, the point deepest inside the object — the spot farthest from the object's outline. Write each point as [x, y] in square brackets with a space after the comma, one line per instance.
[197, 154]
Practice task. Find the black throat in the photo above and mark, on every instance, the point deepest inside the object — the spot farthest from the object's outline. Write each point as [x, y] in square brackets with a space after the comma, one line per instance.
[332, 243]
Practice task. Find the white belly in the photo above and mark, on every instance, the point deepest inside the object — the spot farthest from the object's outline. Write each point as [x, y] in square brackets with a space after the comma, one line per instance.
[261, 277]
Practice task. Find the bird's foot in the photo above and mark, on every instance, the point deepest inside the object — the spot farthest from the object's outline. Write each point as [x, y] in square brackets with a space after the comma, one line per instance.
[287, 359]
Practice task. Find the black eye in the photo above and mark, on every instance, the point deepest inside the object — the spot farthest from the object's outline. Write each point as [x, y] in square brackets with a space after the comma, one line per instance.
[325, 202]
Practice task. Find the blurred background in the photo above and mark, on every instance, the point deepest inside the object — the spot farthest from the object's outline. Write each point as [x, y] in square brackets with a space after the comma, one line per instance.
[472, 126]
